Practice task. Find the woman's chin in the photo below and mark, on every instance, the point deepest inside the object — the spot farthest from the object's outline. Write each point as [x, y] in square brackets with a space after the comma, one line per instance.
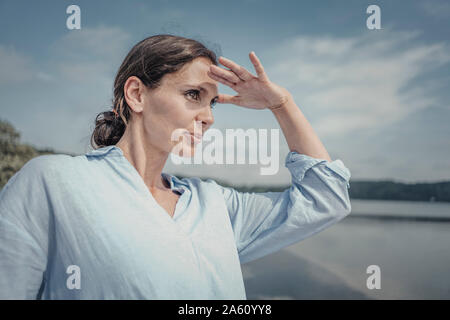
[187, 151]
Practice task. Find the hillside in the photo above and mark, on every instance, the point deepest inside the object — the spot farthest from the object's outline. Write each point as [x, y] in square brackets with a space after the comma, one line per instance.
[13, 154]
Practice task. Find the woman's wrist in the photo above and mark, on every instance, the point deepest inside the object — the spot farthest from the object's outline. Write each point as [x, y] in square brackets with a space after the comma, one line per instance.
[281, 106]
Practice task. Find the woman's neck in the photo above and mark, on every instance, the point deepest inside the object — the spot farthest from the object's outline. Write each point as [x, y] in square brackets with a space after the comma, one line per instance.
[145, 158]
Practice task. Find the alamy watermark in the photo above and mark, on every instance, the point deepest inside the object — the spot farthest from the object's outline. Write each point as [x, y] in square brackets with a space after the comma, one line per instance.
[374, 20]
[74, 280]
[74, 20]
[221, 150]
[374, 280]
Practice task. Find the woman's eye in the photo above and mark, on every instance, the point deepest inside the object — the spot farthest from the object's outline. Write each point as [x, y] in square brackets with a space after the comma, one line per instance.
[213, 103]
[196, 93]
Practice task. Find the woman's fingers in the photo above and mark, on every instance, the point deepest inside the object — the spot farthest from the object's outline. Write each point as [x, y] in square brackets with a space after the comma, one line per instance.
[258, 67]
[241, 72]
[221, 80]
[226, 74]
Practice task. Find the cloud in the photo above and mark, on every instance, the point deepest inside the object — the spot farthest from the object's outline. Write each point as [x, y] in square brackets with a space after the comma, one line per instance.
[436, 9]
[364, 81]
[80, 56]
[102, 42]
[14, 66]
[90, 53]
[68, 88]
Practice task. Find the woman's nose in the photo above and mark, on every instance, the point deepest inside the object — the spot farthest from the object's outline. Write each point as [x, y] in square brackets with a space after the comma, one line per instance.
[206, 117]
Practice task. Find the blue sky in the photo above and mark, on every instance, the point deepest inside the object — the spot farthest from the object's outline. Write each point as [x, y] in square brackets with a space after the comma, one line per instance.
[378, 99]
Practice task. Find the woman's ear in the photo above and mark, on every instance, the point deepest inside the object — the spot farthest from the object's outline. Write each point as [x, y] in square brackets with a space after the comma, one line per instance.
[134, 91]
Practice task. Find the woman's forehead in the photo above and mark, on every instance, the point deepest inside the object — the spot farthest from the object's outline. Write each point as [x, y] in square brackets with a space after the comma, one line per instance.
[203, 83]
[196, 71]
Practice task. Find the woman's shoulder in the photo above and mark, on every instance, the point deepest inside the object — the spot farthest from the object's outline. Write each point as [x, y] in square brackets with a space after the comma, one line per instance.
[44, 166]
[37, 172]
[48, 162]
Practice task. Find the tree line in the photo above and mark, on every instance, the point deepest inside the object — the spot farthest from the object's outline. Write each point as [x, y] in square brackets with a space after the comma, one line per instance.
[377, 190]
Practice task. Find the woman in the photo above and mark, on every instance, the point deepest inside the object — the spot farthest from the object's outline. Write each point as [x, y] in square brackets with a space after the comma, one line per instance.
[111, 225]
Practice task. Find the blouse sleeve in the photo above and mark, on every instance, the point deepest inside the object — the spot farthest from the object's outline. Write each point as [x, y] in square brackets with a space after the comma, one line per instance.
[23, 233]
[266, 222]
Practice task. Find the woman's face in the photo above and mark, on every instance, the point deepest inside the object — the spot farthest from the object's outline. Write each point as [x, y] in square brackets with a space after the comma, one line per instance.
[179, 107]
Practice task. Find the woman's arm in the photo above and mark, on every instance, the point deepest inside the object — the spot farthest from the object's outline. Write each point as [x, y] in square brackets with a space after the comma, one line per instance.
[24, 227]
[266, 222]
[318, 197]
[300, 135]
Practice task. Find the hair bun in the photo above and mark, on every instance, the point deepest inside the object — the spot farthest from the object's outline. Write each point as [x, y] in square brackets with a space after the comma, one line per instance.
[110, 116]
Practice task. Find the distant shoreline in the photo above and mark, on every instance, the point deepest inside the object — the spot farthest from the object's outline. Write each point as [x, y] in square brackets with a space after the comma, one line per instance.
[393, 217]
[375, 190]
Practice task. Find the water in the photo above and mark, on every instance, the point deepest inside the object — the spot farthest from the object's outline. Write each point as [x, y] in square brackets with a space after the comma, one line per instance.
[413, 255]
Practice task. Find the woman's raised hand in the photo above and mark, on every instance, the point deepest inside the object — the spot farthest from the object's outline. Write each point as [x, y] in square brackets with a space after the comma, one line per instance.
[253, 92]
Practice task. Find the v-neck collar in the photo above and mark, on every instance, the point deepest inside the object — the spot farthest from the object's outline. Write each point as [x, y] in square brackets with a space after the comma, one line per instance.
[113, 150]
[176, 184]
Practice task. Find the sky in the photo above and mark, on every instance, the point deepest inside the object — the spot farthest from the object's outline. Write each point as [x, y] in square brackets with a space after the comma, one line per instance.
[377, 98]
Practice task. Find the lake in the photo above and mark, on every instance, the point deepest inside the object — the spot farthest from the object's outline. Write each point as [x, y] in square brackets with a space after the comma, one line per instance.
[409, 241]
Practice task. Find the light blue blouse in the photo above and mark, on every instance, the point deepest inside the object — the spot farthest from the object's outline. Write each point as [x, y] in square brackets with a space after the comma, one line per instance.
[92, 217]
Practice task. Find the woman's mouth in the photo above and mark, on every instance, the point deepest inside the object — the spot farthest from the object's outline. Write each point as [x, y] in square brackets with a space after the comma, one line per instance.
[194, 138]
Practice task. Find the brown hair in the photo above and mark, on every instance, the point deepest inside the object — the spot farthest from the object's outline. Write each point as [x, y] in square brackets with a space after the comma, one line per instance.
[149, 60]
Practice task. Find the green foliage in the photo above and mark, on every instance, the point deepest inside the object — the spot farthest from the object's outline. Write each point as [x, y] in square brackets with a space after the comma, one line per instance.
[13, 154]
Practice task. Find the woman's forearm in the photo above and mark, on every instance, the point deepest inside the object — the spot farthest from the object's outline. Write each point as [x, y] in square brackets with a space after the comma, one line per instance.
[299, 134]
